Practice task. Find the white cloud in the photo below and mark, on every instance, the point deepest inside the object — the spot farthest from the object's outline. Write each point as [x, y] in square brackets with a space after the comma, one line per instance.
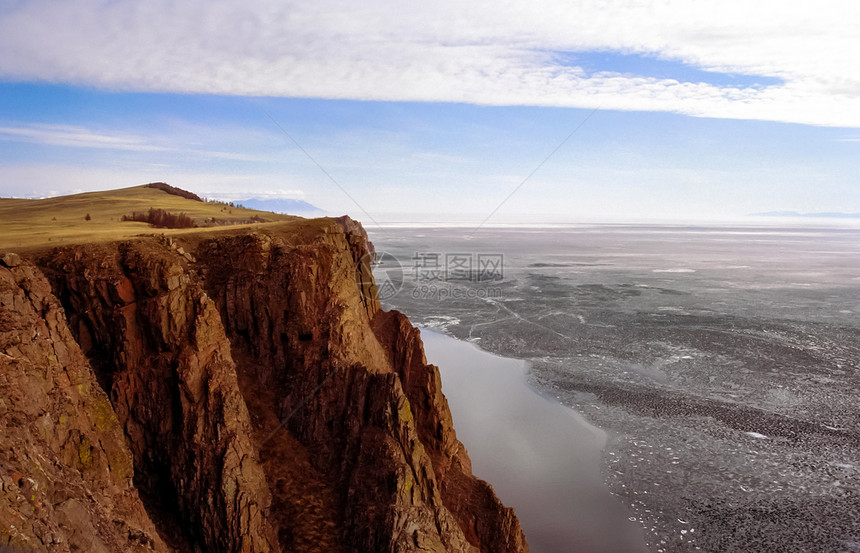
[495, 53]
[79, 137]
[266, 194]
[83, 137]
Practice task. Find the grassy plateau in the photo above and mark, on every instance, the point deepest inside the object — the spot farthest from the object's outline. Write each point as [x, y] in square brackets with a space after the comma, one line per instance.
[32, 224]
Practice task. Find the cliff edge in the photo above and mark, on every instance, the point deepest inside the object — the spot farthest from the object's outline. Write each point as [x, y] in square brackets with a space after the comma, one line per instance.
[231, 391]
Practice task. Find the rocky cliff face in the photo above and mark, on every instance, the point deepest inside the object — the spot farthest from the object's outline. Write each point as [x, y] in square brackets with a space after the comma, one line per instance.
[65, 470]
[267, 402]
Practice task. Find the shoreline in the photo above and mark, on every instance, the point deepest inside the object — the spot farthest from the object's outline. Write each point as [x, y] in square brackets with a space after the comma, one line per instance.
[543, 458]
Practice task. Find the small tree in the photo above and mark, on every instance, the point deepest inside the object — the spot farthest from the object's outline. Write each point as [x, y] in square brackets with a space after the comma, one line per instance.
[88, 218]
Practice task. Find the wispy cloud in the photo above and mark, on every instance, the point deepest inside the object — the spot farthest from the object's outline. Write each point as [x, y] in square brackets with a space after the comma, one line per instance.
[76, 137]
[494, 53]
[82, 137]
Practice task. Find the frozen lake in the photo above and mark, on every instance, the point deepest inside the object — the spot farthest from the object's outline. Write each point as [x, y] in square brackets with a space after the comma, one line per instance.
[723, 362]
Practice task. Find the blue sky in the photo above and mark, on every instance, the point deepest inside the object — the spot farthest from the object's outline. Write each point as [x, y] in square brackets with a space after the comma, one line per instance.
[439, 114]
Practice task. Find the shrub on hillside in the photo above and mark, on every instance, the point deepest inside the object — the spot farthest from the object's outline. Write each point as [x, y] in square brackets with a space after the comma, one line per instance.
[161, 218]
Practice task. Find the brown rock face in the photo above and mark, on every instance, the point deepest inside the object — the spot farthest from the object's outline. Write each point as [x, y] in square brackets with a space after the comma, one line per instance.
[354, 387]
[484, 520]
[158, 345]
[65, 470]
[267, 401]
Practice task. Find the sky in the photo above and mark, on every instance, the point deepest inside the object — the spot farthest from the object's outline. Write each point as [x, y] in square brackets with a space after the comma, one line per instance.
[518, 111]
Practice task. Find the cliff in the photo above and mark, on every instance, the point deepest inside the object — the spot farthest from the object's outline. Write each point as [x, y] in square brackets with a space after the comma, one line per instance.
[226, 391]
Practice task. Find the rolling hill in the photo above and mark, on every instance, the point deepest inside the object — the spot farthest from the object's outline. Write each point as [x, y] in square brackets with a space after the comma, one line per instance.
[64, 219]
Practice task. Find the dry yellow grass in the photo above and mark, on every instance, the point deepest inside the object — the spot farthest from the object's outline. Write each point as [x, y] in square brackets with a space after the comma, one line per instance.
[28, 224]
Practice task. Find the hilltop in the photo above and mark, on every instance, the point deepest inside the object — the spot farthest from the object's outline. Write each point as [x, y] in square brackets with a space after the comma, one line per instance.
[63, 220]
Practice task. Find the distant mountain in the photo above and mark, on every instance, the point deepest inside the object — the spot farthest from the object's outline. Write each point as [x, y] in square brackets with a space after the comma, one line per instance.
[281, 205]
[814, 215]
